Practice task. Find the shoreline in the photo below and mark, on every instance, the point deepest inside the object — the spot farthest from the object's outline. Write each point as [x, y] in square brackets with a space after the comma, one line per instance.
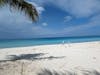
[51, 44]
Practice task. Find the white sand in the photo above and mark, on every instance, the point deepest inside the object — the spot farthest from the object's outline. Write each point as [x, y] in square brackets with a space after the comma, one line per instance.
[74, 56]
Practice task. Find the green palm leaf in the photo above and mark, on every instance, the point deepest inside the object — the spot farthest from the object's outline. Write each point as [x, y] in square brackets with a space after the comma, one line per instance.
[22, 5]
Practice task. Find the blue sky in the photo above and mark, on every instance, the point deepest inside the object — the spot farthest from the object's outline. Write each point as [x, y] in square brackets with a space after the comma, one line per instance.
[58, 18]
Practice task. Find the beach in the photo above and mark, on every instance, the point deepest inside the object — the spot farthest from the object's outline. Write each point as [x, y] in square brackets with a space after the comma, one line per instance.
[80, 58]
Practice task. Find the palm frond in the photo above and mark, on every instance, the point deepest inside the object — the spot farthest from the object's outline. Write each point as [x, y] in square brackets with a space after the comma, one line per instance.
[1, 2]
[22, 5]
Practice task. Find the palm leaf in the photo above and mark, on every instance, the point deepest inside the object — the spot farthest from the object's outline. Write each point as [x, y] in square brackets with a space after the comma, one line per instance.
[22, 5]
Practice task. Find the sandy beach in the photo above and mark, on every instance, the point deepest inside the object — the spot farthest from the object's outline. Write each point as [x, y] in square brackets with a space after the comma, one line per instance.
[71, 59]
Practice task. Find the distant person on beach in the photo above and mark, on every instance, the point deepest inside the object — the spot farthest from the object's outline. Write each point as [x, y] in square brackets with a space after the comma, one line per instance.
[63, 42]
[68, 43]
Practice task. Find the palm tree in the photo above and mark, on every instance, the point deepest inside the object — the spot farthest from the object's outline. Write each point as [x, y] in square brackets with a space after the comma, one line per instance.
[22, 5]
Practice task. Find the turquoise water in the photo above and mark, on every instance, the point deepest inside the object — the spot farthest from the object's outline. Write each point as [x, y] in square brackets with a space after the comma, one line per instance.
[44, 41]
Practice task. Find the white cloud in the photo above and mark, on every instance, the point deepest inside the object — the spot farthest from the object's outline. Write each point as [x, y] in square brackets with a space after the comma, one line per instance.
[44, 24]
[14, 24]
[78, 8]
[12, 16]
[94, 22]
[39, 8]
[84, 8]
[17, 24]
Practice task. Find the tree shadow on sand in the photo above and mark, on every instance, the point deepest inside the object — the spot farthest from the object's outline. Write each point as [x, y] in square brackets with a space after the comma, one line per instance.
[84, 72]
[36, 56]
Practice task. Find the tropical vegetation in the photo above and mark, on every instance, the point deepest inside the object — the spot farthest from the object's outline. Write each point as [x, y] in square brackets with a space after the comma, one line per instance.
[23, 6]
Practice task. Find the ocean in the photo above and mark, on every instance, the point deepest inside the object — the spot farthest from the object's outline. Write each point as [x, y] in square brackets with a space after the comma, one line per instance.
[45, 41]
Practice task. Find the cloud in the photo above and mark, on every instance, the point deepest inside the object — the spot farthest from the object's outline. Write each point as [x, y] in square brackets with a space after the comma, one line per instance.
[83, 28]
[12, 16]
[77, 8]
[84, 8]
[38, 30]
[79, 30]
[44, 24]
[14, 24]
[39, 8]
[67, 18]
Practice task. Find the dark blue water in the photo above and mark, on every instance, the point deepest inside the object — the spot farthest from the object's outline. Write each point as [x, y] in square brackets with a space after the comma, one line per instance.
[44, 41]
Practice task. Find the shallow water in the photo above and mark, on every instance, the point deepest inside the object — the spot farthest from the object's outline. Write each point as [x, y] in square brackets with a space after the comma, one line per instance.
[45, 41]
